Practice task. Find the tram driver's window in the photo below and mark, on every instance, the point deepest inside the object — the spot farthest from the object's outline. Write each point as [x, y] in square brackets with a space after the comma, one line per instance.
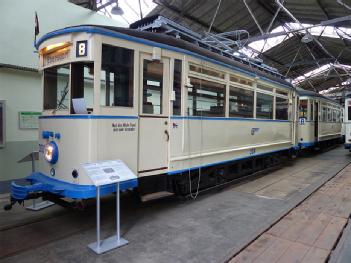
[56, 80]
[152, 87]
[82, 87]
[116, 77]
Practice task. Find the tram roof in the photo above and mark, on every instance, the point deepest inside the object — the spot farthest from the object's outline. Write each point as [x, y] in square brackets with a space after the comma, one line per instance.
[171, 43]
[309, 93]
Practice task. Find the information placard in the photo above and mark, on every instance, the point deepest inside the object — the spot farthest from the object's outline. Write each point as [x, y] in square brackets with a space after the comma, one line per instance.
[29, 119]
[108, 172]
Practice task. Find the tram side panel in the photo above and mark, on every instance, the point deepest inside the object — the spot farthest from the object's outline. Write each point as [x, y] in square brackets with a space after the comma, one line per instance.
[196, 142]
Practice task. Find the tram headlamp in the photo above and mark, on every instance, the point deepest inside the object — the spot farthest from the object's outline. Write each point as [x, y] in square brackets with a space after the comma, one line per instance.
[51, 152]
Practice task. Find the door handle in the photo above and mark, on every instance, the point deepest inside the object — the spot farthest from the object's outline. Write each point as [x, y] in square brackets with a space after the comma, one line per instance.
[166, 132]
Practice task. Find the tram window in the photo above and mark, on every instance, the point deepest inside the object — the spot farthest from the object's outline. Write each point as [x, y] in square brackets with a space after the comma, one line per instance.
[207, 71]
[262, 87]
[264, 106]
[281, 92]
[152, 87]
[206, 98]
[324, 114]
[117, 66]
[303, 109]
[329, 118]
[241, 102]
[281, 108]
[177, 84]
[82, 84]
[2, 123]
[311, 111]
[349, 113]
[56, 80]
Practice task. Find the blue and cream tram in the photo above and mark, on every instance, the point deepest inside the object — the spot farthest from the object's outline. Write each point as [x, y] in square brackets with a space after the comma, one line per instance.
[181, 117]
[320, 120]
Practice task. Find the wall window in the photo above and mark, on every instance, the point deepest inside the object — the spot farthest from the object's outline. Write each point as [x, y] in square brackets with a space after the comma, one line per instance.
[206, 98]
[2, 123]
[152, 87]
[281, 108]
[82, 87]
[117, 75]
[264, 107]
[177, 86]
[303, 109]
[241, 102]
[56, 87]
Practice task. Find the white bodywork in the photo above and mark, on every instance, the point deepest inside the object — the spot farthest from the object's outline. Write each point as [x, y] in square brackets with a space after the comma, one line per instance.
[314, 127]
[149, 144]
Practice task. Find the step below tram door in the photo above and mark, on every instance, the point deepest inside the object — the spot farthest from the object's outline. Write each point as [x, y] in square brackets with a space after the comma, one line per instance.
[316, 120]
[153, 115]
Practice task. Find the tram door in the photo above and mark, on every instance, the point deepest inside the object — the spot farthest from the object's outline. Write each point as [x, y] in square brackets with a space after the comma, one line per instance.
[316, 120]
[154, 114]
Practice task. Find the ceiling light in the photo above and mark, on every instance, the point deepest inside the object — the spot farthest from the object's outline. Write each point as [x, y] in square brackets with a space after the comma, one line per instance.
[307, 38]
[116, 10]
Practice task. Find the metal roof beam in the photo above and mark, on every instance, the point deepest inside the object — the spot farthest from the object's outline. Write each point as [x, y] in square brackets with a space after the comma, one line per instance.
[305, 62]
[323, 23]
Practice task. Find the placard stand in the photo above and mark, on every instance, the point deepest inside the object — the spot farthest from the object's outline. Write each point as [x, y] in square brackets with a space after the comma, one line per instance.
[101, 246]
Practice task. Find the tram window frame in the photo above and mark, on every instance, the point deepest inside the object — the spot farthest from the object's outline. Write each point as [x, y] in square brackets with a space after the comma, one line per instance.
[329, 115]
[51, 100]
[279, 113]
[206, 71]
[2, 123]
[310, 117]
[324, 114]
[177, 87]
[81, 74]
[303, 104]
[264, 88]
[118, 77]
[243, 103]
[263, 114]
[152, 82]
[209, 87]
[240, 80]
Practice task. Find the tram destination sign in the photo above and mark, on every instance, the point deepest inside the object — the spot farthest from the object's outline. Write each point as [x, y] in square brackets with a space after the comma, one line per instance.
[108, 172]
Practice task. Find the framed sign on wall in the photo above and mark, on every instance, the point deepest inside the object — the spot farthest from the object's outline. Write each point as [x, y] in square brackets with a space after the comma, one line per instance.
[29, 119]
[2, 123]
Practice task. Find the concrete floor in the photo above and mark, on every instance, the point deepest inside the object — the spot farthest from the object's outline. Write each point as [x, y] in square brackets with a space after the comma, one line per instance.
[211, 228]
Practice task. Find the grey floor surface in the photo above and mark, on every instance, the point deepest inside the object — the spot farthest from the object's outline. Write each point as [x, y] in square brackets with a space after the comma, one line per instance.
[211, 228]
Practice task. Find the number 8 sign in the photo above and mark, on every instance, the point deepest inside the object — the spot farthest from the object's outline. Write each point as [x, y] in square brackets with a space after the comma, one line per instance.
[82, 48]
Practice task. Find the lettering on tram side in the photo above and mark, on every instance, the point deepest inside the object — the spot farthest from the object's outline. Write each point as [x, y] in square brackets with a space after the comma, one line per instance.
[55, 57]
[254, 131]
[123, 126]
